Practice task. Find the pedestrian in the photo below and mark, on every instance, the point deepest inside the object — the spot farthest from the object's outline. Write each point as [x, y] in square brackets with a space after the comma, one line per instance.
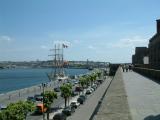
[9, 97]
[130, 67]
[123, 68]
[127, 68]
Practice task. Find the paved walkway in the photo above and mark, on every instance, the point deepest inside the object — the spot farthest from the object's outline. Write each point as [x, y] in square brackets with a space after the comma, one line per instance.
[143, 96]
[115, 105]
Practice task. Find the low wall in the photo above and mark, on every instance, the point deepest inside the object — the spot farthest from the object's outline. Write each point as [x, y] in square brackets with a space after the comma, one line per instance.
[151, 73]
[113, 69]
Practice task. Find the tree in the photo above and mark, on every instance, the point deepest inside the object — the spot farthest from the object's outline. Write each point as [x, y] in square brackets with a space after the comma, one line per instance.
[88, 79]
[49, 97]
[100, 73]
[82, 81]
[17, 111]
[66, 91]
[92, 78]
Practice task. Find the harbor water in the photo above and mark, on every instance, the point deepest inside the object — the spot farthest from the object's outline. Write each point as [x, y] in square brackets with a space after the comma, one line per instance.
[14, 79]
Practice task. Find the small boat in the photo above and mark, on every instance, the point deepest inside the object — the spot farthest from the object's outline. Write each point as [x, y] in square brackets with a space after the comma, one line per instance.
[90, 68]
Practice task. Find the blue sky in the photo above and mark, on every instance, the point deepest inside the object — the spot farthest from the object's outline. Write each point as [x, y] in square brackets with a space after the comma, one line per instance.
[99, 30]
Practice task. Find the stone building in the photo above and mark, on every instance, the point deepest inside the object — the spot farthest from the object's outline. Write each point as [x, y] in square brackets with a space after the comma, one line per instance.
[154, 49]
[140, 53]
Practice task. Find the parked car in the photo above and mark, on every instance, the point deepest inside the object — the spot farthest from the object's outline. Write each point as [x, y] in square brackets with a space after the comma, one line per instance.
[83, 97]
[94, 88]
[38, 97]
[40, 108]
[100, 81]
[78, 89]
[97, 83]
[94, 85]
[91, 89]
[31, 98]
[74, 93]
[3, 107]
[68, 110]
[80, 100]
[59, 116]
[88, 92]
[57, 89]
[74, 104]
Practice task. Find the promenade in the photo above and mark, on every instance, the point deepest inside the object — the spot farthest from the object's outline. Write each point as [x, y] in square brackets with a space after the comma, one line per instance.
[115, 104]
[131, 96]
[143, 96]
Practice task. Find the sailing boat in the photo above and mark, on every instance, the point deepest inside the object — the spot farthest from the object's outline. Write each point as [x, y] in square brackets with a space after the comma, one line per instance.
[58, 72]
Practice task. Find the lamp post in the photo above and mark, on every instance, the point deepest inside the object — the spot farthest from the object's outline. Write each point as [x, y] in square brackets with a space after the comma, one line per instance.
[43, 85]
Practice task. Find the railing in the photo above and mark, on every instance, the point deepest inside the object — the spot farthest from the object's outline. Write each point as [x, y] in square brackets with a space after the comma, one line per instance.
[151, 73]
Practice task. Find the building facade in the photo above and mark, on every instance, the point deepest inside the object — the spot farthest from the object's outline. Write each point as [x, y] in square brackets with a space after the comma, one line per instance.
[140, 53]
[154, 49]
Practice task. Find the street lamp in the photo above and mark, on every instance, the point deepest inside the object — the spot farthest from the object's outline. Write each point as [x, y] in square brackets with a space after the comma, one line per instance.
[43, 85]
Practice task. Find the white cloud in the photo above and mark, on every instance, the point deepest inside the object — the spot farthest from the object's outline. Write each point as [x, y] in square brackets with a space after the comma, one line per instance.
[130, 42]
[44, 47]
[5, 38]
[92, 47]
[76, 41]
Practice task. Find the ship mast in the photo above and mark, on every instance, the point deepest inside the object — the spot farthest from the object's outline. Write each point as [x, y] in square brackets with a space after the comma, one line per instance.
[58, 62]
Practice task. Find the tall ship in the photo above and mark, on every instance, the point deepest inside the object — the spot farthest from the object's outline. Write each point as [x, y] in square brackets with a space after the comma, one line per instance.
[58, 71]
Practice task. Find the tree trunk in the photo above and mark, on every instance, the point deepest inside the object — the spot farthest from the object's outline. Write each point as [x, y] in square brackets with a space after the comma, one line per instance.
[83, 89]
[48, 110]
[68, 101]
[47, 114]
[65, 101]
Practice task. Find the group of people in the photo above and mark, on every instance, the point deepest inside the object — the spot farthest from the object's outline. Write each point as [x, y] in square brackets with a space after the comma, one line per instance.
[127, 67]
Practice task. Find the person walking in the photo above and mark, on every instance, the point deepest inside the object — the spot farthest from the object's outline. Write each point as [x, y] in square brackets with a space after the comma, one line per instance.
[123, 68]
[126, 66]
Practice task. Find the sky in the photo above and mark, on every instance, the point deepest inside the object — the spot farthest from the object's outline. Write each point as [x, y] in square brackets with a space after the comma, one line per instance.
[97, 30]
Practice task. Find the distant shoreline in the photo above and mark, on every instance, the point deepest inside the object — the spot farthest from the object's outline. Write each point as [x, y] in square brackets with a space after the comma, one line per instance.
[26, 67]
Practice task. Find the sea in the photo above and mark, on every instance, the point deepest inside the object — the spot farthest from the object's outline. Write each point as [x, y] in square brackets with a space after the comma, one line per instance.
[14, 79]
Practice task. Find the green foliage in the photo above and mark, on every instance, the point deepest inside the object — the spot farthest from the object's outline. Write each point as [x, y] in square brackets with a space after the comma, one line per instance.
[83, 80]
[2, 116]
[66, 91]
[93, 77]
[17, 111]
[49, 97]
[88, 79]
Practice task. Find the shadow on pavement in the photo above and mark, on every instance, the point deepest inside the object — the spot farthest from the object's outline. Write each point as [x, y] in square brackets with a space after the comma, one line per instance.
[150, 78]
[152, 117]
[35, 114]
